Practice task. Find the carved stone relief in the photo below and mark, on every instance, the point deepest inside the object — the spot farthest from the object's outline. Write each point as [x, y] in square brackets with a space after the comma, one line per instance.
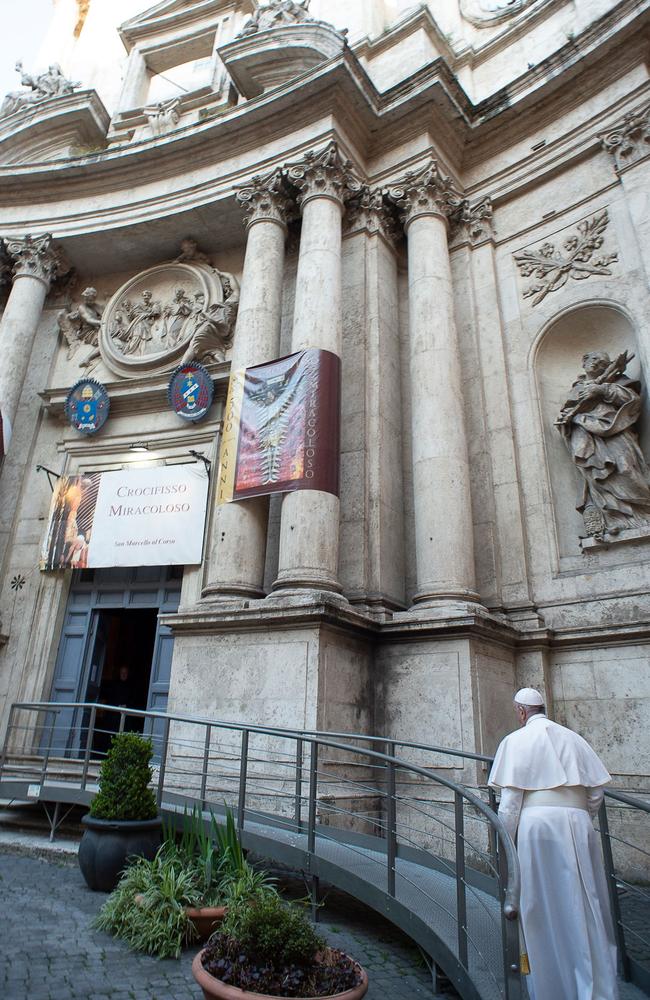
[483, 13]
[80, 326]
[164, 116]
[177, 312]
[553, 265]
[598, 425]
[275, 14]
[38, 88]
[629, 140]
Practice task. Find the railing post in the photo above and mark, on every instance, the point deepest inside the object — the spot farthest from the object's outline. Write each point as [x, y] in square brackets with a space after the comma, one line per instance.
[163, 759]
[5, 745]
[206, 763]
[297, 810]
[122, 722]
[461, 896]
[391, 829]
[89, 743]
[46, 755]
[614, 901]
[243, 772]
[313, 791]
[510, 945]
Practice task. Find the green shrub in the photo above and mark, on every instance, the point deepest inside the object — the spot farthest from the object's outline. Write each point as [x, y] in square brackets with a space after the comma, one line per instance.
[274, 932]
[124, 778]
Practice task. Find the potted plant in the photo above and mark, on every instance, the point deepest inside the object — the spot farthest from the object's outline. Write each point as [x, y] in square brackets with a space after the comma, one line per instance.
[178, 897]
[267, 948]
[123, 818]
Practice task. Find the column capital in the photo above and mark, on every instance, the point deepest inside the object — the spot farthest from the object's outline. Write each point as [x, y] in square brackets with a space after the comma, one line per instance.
[264, 199]
[323, 174]
[369, 213]
[473, 223]
[629, 140]
[426, 191]
[35, 257]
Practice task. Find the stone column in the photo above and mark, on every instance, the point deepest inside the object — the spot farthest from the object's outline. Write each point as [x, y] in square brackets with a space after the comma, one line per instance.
[309, 530]
[36, 264]
[511, 569]
[441, 485]
[238, 537]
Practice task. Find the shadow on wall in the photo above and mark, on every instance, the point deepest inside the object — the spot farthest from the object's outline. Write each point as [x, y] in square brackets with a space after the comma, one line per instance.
[558, 363]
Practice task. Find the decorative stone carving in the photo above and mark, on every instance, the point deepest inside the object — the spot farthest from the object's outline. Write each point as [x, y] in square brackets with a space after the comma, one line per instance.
[80, 325]
[473, 223]
[181, 311]
[275, 14]
[575, 259]
[598, 424]
[368, 212]
[265, 199]
[323, 174]
[36, 257]
[426, 191]
[164, 116]
[190, 253]
[629, 140]
[484, 13]
[39, 88]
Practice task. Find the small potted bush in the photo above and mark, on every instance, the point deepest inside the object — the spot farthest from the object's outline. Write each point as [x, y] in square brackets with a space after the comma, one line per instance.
[267, 948]
[123, 819]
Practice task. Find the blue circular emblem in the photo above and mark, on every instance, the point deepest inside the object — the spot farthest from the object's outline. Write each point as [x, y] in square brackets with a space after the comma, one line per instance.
[87, 405]
[190, 391]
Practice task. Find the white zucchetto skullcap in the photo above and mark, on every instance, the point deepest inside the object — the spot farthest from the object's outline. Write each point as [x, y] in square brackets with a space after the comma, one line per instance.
[528, 697]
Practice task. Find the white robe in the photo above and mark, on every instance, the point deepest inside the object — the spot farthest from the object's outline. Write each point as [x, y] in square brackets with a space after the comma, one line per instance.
[565, 911]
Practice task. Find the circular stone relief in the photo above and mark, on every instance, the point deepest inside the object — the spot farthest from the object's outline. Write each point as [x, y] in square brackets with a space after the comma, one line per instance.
[485, 12]
[149, 322]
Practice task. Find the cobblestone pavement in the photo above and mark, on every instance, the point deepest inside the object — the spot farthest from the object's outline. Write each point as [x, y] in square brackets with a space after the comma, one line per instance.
[48, 950]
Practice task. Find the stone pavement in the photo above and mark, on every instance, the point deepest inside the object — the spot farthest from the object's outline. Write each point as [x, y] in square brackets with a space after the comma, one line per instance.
[48, 950]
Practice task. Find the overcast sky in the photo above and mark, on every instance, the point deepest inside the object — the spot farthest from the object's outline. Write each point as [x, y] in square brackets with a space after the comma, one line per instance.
[24, 23]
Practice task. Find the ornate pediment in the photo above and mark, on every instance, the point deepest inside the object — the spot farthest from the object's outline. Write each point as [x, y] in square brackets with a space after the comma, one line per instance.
[177, 312]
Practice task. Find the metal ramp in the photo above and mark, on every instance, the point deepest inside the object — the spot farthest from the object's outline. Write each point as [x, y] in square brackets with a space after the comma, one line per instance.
[377, 818]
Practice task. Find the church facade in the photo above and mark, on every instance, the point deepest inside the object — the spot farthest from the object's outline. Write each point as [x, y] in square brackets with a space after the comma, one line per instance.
[452, 198]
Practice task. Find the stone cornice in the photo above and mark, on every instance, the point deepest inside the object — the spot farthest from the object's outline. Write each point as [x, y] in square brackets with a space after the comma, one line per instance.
[264, 199]
[323, 174]
[35, 257]
[426, 191]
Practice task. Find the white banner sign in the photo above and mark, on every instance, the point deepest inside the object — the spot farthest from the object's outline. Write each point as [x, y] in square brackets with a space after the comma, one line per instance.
[136, 517]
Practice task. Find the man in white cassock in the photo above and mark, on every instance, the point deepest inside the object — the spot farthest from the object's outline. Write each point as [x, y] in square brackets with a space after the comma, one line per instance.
[551, 785]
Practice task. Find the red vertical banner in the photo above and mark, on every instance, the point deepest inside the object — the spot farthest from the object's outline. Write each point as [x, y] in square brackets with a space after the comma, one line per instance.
[281, 427]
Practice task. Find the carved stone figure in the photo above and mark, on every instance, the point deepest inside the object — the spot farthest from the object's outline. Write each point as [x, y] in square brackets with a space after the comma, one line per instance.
[597, 423]
[164, 116]
[81, 324]
[277, 13]
[174, 316]
[139, 332]
[50, 84]
[190, 253]
[214, 325]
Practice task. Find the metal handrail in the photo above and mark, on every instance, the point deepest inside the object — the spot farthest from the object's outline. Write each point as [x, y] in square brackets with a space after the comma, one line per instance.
[200, 769]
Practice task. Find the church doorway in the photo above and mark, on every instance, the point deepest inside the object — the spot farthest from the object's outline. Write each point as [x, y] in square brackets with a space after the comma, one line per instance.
[113, 649]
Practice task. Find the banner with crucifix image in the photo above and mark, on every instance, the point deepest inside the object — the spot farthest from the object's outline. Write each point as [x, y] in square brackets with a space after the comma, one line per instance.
[281, 427]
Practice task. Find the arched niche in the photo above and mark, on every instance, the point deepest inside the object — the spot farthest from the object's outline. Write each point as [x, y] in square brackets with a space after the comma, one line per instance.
[558, 362]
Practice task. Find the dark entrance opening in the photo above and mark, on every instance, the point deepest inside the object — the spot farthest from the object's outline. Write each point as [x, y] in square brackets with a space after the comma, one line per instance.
[120, 667]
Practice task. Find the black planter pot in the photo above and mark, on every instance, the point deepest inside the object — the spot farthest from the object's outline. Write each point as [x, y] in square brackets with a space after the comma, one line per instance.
[106, 844]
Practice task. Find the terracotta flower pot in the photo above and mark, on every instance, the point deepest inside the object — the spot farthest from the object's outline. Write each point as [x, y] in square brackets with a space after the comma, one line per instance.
[204, 918]
[214, 989]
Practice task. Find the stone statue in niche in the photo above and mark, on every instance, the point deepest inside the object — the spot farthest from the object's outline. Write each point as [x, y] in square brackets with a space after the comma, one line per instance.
[275, 14]
[598, 424]
[80, 325]
[164, 116]
[39, 88]
[213, 325]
